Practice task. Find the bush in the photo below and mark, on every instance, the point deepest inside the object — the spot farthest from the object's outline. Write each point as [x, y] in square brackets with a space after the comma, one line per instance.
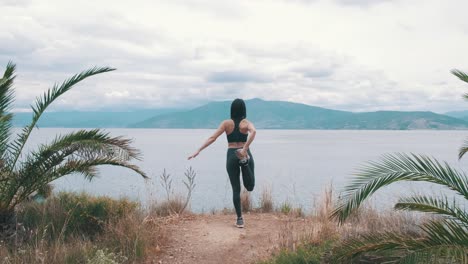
[307, 254]
[285, 208]
[72, 213]
[106, 257]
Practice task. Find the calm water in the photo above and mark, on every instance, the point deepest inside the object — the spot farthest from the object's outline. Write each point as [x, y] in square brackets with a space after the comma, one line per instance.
[295, 164]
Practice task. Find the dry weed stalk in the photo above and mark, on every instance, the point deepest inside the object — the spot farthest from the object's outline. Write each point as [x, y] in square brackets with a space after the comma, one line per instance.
[246, 202]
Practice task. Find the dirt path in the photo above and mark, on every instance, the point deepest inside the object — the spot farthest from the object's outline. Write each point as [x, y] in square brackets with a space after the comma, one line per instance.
[214, 239]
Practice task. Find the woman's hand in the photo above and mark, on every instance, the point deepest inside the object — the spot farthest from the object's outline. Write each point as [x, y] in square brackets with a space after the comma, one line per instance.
[194, 155]
[241, 153]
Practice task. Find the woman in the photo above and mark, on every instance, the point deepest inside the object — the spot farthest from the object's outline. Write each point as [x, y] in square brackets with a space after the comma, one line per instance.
[240, 134]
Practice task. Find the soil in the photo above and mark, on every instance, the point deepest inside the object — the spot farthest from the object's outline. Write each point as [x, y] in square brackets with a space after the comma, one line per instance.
[213, 239]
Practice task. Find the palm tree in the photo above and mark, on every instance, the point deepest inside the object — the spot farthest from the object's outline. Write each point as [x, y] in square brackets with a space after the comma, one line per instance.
[22, 173]
[445, 237]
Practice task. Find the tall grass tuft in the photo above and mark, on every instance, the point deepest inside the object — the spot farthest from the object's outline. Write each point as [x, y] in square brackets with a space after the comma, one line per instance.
[266, 201]
[174, 203]
[246, 201]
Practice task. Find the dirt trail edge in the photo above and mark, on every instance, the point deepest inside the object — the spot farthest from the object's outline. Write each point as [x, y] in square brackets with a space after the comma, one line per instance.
[214, 239]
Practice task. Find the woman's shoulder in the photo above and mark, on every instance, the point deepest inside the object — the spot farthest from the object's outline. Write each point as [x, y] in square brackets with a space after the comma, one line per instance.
[226, 122]
[245, 120]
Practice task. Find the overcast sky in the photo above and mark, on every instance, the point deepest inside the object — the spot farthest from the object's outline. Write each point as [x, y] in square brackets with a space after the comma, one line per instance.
[358, 55]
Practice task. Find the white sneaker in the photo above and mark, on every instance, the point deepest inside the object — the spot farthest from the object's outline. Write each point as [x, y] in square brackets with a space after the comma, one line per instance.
[240, 222]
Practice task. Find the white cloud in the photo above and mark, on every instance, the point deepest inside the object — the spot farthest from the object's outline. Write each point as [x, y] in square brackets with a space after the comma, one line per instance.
[347, 54]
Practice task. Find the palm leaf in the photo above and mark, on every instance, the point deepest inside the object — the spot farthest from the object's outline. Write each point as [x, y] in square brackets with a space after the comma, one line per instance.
[6, 91]
[394, 168]
[85, 167]
[77, 146]
[462, 76]
[446, 232]
[376, 242]
[437, 254]
[396, 248]
[439, 206]
[463, 149]
[43, 102]
[6, 101]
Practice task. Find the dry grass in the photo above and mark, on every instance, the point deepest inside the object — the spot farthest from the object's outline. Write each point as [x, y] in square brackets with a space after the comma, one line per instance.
[266, 201]
[122, 232]
[173, 206]
[318, 228]
[246, 202]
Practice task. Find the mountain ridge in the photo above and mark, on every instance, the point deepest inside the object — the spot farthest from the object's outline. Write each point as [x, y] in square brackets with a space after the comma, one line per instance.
[288, 115]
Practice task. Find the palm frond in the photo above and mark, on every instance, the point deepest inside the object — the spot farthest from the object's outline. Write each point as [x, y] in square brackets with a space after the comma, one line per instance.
[81, 145]
[88, 143]
[5, 128]
[6, 101]
[463, 149]
[85, 167]
[43, 102]
[461, 75]
[394, 168]
[397, 248]
[376, 242]
[427, 204]
[446, 232]
[6, 91]
[437, 254]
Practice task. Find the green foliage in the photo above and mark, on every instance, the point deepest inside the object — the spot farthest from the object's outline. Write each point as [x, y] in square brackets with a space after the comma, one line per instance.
[286, 207]
[106, 257]
[306, 254]
[69, 214]
[445, 239]
[22, 174]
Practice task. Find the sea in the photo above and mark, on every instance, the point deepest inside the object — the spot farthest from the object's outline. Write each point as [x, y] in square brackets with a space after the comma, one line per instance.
[295, 166]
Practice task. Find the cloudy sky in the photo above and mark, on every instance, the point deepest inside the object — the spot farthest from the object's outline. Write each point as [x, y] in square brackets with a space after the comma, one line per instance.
[358, 55]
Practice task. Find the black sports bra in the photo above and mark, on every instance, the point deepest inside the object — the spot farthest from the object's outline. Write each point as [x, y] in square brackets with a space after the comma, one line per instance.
[236, 135]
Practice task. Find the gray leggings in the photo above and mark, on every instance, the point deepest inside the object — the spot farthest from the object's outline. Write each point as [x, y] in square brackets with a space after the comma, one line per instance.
[248, 177]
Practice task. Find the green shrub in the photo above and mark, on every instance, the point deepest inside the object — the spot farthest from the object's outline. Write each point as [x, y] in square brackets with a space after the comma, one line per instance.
[72, 213]
[286, 208]
[306, 254]
[106, 257]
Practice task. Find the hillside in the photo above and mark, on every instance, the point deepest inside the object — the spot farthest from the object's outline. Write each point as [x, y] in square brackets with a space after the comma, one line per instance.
[88, 119]
[287, 115]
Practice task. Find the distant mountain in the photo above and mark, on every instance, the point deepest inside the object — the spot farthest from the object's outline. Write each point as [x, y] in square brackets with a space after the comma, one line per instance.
[88, 119]
[286, 115]
[458, 114]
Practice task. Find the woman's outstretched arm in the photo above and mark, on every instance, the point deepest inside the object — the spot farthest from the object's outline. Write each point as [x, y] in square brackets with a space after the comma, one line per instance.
[210, 140]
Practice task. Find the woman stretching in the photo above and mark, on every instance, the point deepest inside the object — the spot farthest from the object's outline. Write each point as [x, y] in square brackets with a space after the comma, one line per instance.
[240, 134]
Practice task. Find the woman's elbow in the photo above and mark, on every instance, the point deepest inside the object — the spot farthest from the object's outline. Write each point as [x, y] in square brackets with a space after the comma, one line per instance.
[253, 132]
